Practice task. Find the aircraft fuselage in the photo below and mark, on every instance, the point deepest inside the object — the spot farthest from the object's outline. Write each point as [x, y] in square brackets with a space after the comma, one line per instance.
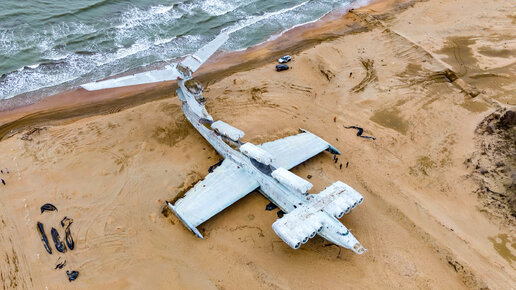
[285, 198]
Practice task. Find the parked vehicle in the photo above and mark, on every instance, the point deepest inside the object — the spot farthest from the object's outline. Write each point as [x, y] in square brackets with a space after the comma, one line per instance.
[285, 59]
[281, 67]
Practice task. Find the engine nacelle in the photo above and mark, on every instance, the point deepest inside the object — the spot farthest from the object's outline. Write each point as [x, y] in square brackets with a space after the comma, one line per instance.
[315, 224]
[286, 236]
[257, 153]
[227, 130]
[308, 230]
[344, 204]
[291, 180]
[334, 210]
[301, 234]
[357, 197]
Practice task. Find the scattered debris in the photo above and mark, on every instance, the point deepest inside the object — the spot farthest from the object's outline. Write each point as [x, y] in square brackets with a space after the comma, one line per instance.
[360, 131]
[27, 136]
[72, 275]
[281, 67]
[309, 176]
[285, 59]
[60, 246]
[271, 206]
[44, 238]
[280, 213]
[335, 119]
[49, 207]
[66, 222]
[60, 265]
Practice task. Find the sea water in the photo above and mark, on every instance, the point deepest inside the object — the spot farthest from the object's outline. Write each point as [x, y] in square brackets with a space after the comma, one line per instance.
[47, 46]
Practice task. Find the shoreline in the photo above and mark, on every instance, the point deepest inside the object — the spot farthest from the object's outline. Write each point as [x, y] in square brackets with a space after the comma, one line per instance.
[79, 103]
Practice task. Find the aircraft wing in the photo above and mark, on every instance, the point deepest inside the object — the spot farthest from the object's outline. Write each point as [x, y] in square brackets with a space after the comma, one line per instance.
[153, 76]
[194, 61]
[221, 188]
[293, 150]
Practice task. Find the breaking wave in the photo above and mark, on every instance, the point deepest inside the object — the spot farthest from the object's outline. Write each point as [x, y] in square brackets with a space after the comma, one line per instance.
[47, 53]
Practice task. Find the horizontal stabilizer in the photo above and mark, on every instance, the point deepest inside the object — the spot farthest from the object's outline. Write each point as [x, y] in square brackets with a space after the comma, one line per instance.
[304, 222]
[153, 76]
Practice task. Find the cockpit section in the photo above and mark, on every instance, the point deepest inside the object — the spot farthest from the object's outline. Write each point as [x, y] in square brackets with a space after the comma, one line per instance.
[184, 71]
[195, 88]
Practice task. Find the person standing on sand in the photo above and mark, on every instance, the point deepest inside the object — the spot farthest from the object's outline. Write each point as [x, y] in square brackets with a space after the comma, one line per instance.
[3, 181]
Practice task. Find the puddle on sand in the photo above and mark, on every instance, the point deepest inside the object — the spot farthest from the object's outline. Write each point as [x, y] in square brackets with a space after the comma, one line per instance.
[492, 52]
[459, 54]
[505, 246]
[475, 107]
[390, 118]
[176, 131]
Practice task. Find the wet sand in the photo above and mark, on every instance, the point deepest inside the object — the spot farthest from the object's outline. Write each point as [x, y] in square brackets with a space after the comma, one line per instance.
[419, 76]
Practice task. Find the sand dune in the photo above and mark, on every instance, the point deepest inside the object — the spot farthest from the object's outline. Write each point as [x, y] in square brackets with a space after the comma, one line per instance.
[420, 77]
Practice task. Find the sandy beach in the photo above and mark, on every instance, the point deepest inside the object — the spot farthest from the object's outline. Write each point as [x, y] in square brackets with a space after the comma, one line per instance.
[433, 81]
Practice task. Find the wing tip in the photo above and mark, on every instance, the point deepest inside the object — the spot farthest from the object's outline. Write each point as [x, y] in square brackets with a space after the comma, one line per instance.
[185, 222]
[88, 86]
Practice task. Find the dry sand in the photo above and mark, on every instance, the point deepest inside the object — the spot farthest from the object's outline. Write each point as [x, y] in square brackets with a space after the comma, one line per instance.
[427, 219]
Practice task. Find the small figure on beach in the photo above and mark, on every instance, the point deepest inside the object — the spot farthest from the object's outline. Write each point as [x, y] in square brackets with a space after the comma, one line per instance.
[7, 170]
[3, 181]
[2, 171]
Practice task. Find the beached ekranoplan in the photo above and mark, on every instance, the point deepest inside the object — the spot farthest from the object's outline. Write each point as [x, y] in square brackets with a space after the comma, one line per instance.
[121, 164]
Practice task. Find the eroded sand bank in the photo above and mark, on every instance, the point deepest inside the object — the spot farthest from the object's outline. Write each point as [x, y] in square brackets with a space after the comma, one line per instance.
[422, 220]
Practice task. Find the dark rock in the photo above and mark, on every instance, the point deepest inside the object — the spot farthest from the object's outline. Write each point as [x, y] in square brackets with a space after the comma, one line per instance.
[60, 265]
[60, 246]
[508, 120]
[72, 275]
[500, 164]
[48, 207]
[490, 129]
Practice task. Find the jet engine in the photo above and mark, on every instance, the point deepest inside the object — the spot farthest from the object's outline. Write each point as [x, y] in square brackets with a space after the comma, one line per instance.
[286, 236]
